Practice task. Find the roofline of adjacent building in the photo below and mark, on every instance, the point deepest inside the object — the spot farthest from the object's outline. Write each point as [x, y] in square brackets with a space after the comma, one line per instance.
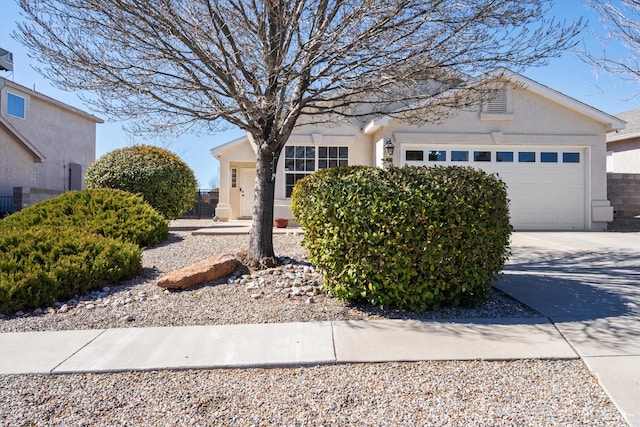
[38, 157]
[10, 84]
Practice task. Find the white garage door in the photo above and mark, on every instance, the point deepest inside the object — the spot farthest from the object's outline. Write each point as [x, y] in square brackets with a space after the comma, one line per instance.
[546, 185]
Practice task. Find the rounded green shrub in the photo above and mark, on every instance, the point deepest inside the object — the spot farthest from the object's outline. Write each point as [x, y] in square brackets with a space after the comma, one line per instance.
[414, 238]
[77, 242]
[161, 177]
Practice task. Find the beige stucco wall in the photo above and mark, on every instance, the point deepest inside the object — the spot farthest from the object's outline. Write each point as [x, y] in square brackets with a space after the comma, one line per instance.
[625, 155]
[532, 120]
[61, 134]
[16, 164]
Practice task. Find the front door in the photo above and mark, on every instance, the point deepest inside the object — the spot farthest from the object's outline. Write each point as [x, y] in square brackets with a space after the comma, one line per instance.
[247, 190]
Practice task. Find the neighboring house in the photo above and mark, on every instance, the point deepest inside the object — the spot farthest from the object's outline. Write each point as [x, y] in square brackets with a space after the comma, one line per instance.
[45, 145]
[623, 146]
[623, 171]
[549, 149]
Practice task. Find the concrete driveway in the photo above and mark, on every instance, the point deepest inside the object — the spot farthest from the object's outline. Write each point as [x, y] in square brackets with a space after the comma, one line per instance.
[588, 285]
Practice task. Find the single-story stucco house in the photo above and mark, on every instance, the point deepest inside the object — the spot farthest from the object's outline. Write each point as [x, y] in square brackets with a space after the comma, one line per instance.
[46, 146]
[623, 145]
[549, 148]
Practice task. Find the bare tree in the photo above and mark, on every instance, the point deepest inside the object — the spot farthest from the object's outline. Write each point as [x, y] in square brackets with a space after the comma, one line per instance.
[621, 20]
[267, 65]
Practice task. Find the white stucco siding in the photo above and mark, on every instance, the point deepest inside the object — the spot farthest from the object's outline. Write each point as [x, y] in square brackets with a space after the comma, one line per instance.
[550, 194]
[624, 156]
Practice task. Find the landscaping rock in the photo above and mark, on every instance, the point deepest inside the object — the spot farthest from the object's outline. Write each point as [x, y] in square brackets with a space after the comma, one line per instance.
[212, 268]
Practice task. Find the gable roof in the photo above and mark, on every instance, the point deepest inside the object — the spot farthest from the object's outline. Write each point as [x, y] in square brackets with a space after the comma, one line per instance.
[38, 157]
[220, 149]
[632, 130]
[612, 122]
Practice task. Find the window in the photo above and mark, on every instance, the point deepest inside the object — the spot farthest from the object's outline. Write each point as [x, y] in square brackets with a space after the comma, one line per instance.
[15, 105]
[573, 157]
[300, 161]
[482, 156]
[234, 177]
[331, 157]
[504, 156]
[437, 155]
[459, 156]
[526, 157]
[414, 155]
[548, 157]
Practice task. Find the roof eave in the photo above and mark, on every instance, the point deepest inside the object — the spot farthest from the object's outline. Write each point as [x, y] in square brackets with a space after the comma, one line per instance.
[37, 155]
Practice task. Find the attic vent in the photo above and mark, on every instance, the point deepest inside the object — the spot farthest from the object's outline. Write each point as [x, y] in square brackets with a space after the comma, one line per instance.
[497, 102]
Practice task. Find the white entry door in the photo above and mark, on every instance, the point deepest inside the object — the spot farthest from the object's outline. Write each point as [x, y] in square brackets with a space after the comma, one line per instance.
[247, 191]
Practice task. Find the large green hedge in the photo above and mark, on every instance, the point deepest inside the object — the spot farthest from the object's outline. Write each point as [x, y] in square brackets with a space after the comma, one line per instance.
[161, 177]
[77, 242]
[415, 238]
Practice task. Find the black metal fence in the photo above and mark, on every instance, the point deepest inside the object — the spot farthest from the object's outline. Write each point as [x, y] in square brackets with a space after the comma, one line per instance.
[205, 206]
[6, 205]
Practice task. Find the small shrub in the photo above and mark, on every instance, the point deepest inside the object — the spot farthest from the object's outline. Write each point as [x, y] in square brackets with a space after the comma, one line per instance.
[110, 213]
[161, 177]
[415, 238]
[42, 265]
[77, 242]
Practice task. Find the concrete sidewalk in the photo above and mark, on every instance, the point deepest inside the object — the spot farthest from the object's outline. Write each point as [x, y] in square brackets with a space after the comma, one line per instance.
[284, 344]
[207, 227]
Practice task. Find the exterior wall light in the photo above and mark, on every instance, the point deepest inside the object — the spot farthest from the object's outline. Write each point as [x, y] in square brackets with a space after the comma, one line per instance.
[389, 147]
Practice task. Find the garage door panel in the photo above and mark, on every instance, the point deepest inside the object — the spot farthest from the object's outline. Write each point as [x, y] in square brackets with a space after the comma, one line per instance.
[543, 196]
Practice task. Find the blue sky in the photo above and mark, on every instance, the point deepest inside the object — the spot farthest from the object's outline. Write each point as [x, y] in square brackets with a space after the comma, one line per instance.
[567, 74]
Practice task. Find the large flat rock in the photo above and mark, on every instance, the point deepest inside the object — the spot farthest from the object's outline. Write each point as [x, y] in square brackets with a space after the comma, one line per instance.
[212, 268]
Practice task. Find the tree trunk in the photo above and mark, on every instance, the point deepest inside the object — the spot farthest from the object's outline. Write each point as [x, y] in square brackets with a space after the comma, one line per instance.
[261, 253]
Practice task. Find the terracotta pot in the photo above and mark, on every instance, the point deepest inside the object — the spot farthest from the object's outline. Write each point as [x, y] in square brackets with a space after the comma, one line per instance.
[281, 222]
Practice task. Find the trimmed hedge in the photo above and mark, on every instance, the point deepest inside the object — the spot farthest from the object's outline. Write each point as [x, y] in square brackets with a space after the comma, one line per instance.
[414, 238]
[77, 242]
[161, 177]
[43, 265]
[109, 213]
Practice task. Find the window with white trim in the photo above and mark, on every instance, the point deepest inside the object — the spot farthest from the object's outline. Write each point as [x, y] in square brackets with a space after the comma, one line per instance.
[15, 105]
[437, 155]
[572, 157]
[300, 161]
[234, 177]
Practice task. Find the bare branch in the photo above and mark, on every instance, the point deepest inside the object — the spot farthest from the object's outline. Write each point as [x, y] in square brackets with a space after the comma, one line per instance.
[621, 20]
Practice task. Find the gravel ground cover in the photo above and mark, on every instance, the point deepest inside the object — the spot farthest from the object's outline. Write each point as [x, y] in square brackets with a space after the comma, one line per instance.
[477, 393]
[291, 293]
[456, 393]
